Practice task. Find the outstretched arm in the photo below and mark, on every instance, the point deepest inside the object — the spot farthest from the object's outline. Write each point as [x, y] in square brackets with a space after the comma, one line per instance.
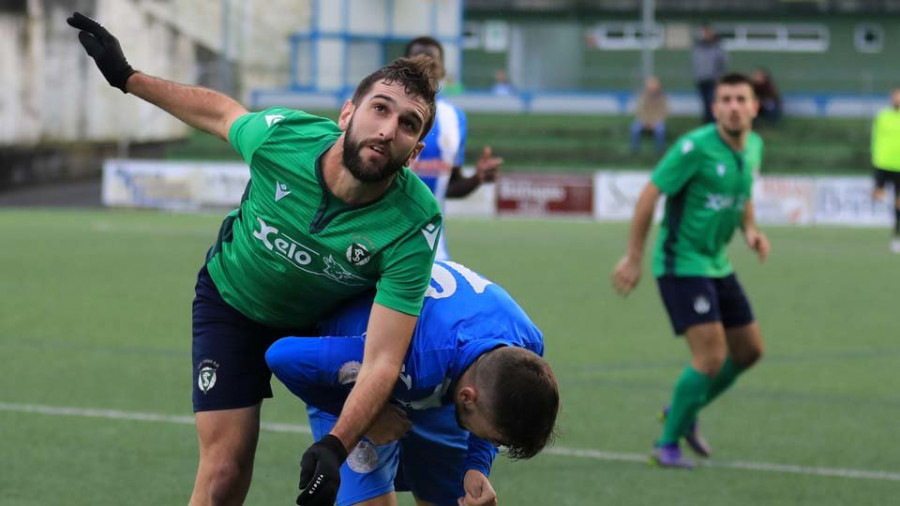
[199, 107]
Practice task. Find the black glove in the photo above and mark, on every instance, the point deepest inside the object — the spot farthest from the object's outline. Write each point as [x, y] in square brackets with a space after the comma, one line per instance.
[320, 472]
[104, 49]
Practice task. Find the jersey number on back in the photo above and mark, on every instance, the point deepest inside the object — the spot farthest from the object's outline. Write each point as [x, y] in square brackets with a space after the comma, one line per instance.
[446, 282]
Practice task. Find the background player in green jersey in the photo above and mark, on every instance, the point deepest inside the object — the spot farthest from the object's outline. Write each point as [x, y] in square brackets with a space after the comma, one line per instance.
[329, 213]
[707, 176]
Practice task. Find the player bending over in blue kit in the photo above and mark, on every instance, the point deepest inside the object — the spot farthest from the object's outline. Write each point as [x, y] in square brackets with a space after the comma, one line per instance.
[473, 380]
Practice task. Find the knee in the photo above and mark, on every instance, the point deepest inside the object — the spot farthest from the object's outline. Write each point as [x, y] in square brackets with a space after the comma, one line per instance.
[228, 480]
[749, 356]
[275, 355]
[284, 354]
[710, 363]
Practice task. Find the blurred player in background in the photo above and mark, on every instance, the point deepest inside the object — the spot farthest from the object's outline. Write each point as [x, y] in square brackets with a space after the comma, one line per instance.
[886, 158]
[474, 380]
[708, 63]
[707, 177]
[439, 164]
[330, 213]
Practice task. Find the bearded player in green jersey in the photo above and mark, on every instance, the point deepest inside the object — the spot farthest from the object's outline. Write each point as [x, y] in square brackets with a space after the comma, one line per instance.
[330, 212]
[707, 178]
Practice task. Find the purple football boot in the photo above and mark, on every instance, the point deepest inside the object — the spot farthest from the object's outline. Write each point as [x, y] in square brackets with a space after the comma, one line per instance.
[696, 442]
[669, 455]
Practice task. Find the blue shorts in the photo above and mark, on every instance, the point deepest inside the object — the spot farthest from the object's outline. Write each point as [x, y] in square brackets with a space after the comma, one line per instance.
[429, 460]
[228, 350]
[692, 300]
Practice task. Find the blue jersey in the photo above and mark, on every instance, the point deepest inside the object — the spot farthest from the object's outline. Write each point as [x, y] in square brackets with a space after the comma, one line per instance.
[444, 149]
[464, 316]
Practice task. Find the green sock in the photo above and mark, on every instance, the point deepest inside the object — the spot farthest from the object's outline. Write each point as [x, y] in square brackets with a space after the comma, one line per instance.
[688, 397]
[727, 374]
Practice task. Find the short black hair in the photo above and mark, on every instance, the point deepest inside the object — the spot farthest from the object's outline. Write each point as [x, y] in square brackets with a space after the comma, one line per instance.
[523, 399]
[417, 75]
[423, 41]
[735, 78]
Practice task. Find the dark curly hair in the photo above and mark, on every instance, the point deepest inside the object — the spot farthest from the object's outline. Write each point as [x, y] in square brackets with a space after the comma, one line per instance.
[416, 74]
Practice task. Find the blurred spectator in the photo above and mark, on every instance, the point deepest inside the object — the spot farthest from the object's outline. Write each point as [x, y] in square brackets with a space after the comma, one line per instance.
[502, 86]
[709, 61]
[440, 162]
[767, 95]
[886, 158]
[650, 115]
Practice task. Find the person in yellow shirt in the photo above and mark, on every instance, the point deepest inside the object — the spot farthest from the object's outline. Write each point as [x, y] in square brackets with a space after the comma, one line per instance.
[886, 158]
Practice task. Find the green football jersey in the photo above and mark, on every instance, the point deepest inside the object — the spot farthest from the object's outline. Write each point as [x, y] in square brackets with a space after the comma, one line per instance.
[293, 251]
[707, 186]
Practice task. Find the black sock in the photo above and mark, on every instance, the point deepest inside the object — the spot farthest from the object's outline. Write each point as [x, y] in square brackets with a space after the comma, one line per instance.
[897, 221]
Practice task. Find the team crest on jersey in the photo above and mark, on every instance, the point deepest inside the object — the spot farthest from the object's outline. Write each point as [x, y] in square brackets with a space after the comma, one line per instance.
[364, 458]
[720, 169]
[702, 305]
[358, 254]
[206, 375]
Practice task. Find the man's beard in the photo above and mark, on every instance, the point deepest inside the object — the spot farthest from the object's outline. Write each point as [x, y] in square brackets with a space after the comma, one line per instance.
[369, 172]
[734, 133]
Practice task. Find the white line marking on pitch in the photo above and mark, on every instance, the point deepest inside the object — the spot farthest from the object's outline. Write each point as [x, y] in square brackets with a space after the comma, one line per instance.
[556, 450]
[131, 415]
[735, 464]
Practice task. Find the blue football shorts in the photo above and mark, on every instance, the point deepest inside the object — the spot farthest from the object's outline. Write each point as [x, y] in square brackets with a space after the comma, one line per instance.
[428, 461]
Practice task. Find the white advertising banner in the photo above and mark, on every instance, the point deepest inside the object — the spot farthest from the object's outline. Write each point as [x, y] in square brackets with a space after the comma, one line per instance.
[777, 200]
[173, 185]
[781, 200]
[848, 201]
[617, 192]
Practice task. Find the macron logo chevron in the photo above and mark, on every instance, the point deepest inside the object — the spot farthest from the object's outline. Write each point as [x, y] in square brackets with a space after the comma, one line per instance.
[271, 119]
[431, 232]
[281, 191]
